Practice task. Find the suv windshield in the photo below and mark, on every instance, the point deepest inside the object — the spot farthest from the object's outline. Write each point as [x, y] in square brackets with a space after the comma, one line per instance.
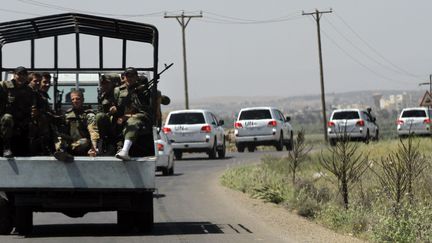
[255, 115]
[414, 113]
[345, 115]
[186, 118]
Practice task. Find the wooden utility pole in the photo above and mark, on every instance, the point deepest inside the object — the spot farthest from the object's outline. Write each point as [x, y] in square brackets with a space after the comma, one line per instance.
[181, 19]
[428, 83]
[317, 16]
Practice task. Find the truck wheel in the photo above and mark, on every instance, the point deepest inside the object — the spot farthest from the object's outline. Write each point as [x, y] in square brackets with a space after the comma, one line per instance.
[279, 144]
[222, 151]
[213, 150]
[5, 217]
[240, 148]
[165, 171]
[178, 155]
[125, 221]
[23, 220]
[251, 148]
[144, 219]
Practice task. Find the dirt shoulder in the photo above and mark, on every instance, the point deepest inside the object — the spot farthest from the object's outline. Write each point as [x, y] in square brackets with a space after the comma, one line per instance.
[287, 225]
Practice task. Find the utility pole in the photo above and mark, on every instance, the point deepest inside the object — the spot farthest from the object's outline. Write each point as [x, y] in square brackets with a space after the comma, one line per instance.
[428, 83]
[317, 16]
[181, 20]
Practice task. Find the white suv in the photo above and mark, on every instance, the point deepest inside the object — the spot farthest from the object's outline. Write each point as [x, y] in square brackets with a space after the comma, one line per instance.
[195, 131]
[262, 126]
[414, 120]
[357, 124]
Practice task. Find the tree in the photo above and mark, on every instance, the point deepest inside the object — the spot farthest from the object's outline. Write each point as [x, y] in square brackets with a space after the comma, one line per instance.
[298, 154]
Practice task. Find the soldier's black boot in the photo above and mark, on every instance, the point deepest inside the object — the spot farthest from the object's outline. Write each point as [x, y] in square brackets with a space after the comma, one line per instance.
[64, 156]
[7, 152]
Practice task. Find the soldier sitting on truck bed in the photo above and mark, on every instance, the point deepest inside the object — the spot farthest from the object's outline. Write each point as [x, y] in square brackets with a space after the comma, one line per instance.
[132, 112]
[16, 101]
[81, 135]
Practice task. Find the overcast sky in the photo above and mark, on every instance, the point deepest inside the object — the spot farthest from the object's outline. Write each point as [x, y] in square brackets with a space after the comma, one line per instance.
[266, 48]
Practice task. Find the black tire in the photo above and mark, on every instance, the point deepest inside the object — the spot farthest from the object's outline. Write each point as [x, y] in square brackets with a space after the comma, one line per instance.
[332, 142]
[24, 220]
[213, 151]
[222, 151]
[376, 135]
[171, 170]
[165, 171]
[178, 155]
[240, 148]
[125, 221]
[279, 145]
[367, 138]
[290, 145]
[251, 148]
[6, 223]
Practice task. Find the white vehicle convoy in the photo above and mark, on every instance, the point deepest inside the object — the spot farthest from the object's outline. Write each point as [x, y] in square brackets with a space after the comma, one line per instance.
[356, 124]
[416, 120]
[262, 126]
[165, 154]
[195, 131]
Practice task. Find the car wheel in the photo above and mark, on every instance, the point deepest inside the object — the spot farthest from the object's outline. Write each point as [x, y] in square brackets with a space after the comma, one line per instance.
[213, 150]
[5, 217]
[240, 148]
[290, 144]
[165, 171]
[171, 170]
[332, 142]
[367, 138]
[222, 151]
[251, 148]
[279, 144]
[178, 155]
[377, 135]
[24, 220]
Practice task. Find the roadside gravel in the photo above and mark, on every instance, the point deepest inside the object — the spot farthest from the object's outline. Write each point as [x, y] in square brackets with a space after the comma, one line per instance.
[281, 222]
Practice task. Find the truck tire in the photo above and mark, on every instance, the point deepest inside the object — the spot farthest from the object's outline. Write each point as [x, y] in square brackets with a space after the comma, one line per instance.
[6, 225]
[251, 148]
[125, 221]
[165, 171]
[279, 143]
[240, 148]
[23, 220]
[222, 151]
[144, 220]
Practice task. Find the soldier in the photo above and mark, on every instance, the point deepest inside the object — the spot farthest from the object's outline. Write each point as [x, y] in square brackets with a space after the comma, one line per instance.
[132, 112]
[34, 80]
[104, 118]
[81, 135]
[16, 101]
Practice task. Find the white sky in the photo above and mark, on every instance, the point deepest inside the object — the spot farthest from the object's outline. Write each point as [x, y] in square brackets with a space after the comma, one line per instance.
[367, 45]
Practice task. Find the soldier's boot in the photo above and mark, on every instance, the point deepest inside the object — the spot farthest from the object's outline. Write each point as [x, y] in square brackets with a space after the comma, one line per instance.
[123, 154]
[64, 156]
[7, 152]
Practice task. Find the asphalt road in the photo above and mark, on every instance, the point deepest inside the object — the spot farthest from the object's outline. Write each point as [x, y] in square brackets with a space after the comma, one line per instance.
[189, 207]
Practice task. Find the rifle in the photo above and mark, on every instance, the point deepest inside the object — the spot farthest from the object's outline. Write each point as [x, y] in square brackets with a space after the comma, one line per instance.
[147, 87]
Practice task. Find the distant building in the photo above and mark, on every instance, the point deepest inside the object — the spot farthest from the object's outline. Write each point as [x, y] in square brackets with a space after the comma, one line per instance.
[377, 98]
[395, 102]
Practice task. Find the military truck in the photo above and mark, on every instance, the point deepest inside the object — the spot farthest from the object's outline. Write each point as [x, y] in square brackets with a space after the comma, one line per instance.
[89, 184]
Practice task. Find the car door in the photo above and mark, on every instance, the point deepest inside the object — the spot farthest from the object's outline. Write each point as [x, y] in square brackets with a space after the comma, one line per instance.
[282, 124]
[369, 124]
[218, 129]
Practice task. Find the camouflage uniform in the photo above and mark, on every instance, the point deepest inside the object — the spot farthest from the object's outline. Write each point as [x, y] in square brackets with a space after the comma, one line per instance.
[135, 106]
[106, 125]
[16, 105]
[81, 132]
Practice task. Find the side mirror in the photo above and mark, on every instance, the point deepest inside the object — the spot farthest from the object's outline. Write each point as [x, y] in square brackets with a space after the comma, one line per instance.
[221, 122]
[288, 118]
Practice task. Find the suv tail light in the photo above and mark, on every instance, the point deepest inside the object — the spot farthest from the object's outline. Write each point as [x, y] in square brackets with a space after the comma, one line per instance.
[399, 122]
[360, 123]
[330, 124]
[166, 130]
[272, 123]
[160, 147]
[427, 121]
[206, 129]
[238, 125]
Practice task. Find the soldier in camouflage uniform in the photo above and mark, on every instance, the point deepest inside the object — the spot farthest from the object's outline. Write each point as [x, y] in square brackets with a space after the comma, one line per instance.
[132, 111]
[81, 135]
[104, 118]
[16, 101]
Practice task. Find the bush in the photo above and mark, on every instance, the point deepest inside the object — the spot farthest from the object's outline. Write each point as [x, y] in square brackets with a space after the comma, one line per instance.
[353, 220]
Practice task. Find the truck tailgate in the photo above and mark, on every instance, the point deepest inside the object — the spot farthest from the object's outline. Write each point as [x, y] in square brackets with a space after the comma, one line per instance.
[85, 173]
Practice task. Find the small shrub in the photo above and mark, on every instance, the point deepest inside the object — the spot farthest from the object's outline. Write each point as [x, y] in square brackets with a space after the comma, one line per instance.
[353, 220]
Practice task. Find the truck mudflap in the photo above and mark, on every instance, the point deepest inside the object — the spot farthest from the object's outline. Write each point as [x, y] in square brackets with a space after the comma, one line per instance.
[85, 173]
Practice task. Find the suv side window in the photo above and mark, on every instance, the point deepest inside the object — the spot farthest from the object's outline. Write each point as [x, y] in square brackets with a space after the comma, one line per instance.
[215, 121]
[366, 115]
[282, 118]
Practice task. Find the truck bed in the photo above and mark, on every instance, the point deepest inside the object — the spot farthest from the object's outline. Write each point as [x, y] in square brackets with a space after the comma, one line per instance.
[45, 173]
